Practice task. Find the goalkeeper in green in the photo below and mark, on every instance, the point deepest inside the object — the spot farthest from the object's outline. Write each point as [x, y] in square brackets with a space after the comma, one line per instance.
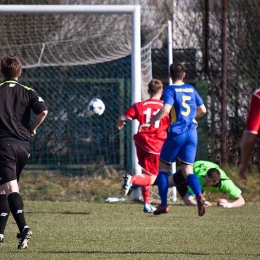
[213, 179]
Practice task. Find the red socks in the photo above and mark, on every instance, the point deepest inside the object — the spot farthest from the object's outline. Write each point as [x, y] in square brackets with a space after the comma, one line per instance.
[141, 180]
[146, 194]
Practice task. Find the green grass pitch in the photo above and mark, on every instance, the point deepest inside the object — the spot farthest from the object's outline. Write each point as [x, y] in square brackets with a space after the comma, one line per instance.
[71, 230]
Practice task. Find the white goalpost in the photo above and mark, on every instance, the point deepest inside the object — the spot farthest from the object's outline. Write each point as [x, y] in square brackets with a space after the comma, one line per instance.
[133, 10]
[173, 191]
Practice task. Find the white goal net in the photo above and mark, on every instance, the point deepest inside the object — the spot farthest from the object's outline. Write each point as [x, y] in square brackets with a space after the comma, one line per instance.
[70, 58]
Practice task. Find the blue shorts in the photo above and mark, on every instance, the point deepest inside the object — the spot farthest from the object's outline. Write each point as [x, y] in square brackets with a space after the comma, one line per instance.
[182, 146]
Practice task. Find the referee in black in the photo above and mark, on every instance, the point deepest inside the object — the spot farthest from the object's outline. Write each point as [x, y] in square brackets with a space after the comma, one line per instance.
[16, 103]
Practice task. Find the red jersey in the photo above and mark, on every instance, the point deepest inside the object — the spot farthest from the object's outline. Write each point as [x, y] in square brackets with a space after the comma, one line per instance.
[150, 139]
[253, 117]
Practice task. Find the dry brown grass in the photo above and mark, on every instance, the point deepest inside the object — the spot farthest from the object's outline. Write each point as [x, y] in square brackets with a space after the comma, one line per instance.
[57, 185]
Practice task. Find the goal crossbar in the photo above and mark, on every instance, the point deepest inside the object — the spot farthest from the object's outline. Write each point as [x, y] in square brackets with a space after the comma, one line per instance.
[68, 9]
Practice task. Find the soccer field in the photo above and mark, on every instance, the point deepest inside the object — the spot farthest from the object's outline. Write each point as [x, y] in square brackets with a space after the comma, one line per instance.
[73, 230]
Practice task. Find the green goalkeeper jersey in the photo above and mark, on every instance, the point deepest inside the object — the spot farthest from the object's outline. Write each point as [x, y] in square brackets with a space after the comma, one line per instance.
[225, 185]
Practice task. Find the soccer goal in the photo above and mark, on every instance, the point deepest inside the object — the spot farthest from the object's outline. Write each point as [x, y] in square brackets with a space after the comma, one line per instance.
[70, 54]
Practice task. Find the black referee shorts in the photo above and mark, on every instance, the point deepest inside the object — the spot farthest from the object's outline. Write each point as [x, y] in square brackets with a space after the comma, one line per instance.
[13, 158]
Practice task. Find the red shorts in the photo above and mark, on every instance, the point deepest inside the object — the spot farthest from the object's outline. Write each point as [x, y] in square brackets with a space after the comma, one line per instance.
[148, 161]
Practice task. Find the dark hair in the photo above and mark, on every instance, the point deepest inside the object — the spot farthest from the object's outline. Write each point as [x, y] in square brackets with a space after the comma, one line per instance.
[176, 71]
[10, 67]
[214, 174]
[154, 86]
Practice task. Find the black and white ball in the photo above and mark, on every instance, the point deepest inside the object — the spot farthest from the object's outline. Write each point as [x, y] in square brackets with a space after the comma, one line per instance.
[96, 106]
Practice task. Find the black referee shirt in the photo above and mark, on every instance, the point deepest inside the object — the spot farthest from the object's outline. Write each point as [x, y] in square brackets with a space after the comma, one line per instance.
[16, 103]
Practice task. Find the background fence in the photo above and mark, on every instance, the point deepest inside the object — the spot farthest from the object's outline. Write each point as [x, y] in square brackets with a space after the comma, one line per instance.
[69, 59]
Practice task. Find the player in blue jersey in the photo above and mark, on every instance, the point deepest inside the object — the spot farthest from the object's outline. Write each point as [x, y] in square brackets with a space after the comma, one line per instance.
[185, 106]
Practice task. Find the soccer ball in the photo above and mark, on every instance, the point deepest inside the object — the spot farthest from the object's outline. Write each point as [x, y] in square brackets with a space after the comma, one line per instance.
[96, 106]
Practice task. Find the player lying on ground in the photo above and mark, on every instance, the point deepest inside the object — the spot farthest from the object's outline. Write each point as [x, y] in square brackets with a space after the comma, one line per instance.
[213, 179]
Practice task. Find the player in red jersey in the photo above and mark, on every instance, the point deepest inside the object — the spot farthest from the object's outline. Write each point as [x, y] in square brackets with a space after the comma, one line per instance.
[149, 141]
[250, 133]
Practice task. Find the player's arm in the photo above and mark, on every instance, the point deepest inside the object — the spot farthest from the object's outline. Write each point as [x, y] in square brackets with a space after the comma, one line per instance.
[201, 110]
[235, 204]
[161, 114]
[37, 121]
[40, 110]
[190, 200]
[238, 202]
[121, 122]
[229, 187]
[130, 114]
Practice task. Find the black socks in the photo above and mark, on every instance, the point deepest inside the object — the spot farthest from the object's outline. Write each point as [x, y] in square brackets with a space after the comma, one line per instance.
[16, 207]
[4, 212]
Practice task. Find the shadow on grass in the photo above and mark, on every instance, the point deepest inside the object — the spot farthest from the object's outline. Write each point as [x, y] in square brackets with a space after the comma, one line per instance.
[148, 253]
[53, 212]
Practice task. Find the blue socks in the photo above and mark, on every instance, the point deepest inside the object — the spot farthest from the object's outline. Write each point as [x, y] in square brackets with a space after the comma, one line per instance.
[194, 183]
[162, 182]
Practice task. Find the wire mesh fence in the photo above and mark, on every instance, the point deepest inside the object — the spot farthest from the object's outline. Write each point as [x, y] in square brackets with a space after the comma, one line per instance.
[69, 59]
